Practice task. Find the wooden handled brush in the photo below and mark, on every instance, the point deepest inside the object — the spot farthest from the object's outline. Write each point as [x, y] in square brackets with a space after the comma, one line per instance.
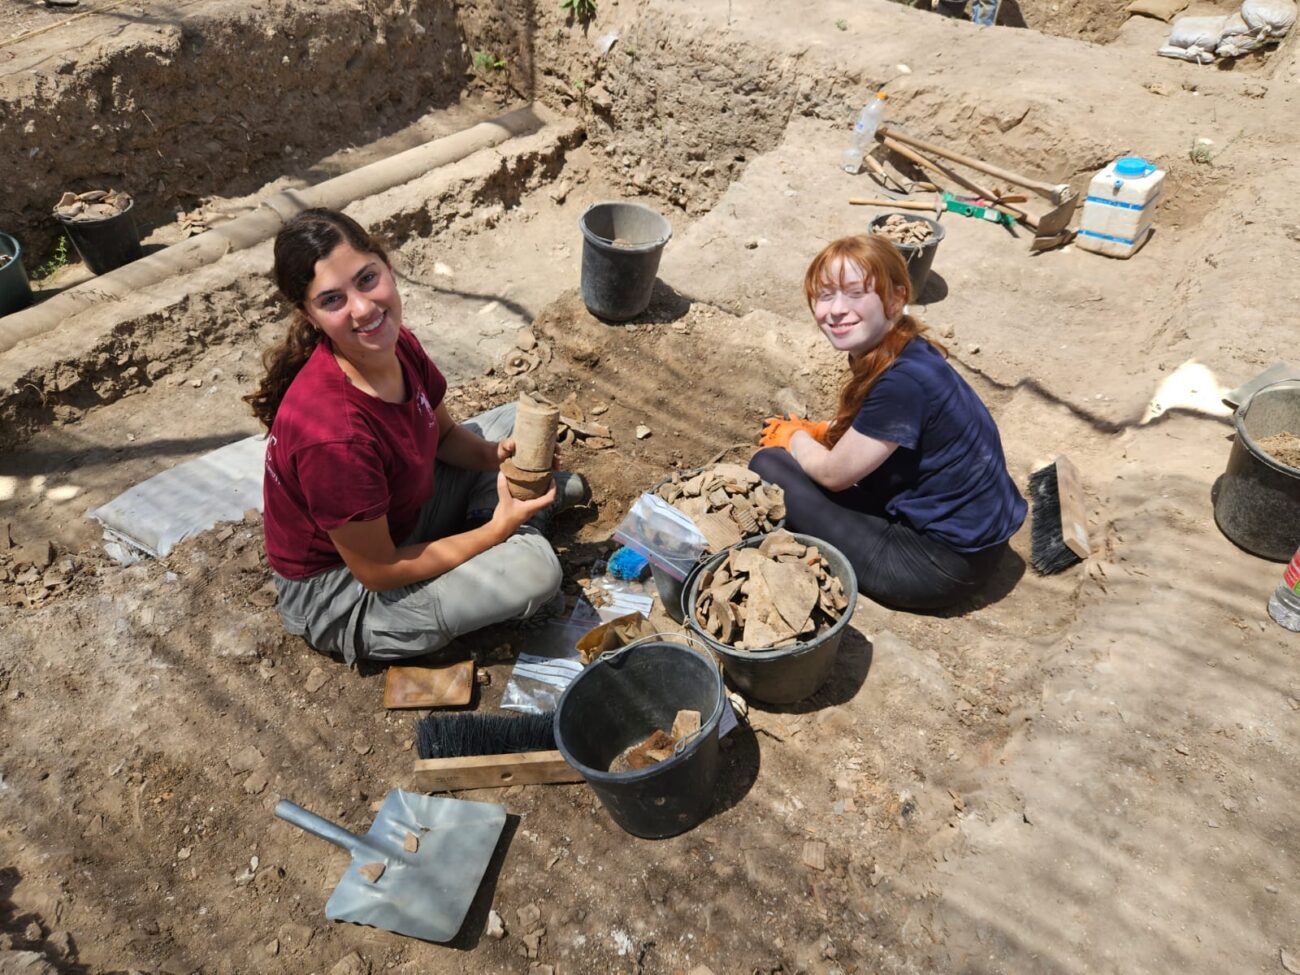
[1059, 532]
[483, 751]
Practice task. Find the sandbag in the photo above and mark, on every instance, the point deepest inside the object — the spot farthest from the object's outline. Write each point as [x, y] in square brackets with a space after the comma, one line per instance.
[1234, 26]
[1159, 9]
[1203, 33]
[1196, 55]
[1235, 47]
[1275, 17]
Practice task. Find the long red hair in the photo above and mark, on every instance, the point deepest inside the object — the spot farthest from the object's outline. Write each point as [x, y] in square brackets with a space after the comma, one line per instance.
[885, 272]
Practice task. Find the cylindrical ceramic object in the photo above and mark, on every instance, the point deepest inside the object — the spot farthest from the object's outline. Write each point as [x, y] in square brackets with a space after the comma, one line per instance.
[536, 425]
[525, 485]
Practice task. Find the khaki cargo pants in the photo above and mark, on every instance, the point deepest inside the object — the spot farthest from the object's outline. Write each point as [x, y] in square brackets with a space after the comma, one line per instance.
[513, 580]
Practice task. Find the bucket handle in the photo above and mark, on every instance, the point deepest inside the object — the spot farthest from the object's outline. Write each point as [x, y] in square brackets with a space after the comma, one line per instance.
[691, 642]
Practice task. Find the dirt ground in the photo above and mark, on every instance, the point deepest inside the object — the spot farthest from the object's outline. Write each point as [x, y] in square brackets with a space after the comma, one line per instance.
[1089, 772]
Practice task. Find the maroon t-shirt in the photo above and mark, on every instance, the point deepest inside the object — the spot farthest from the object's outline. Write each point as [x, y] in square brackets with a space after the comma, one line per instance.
[336, 454]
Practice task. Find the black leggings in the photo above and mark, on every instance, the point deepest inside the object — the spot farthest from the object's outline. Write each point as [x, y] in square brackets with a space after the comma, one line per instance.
[896, 564]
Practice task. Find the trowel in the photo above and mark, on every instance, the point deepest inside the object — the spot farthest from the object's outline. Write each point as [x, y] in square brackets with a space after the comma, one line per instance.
[418, 868]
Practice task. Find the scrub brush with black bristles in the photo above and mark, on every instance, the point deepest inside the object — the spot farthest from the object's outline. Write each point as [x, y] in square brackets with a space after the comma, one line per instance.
[463, 735]
[1058, 534]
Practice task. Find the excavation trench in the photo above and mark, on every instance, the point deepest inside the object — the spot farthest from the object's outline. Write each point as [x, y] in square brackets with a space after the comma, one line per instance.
[678, 129]
[844, 827]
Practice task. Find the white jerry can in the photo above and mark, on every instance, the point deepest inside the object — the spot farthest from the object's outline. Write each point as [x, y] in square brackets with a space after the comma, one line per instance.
[1119, 209]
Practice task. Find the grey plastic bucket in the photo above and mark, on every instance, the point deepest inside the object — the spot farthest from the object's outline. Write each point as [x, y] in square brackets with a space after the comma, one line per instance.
[1257, 500]
[15, 289]
[919, 257]
[791, 673]
[621, 247]
[618, 702]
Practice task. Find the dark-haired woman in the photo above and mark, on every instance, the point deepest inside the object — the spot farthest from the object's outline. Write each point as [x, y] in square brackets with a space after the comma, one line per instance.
[371, 488]
[909, 480]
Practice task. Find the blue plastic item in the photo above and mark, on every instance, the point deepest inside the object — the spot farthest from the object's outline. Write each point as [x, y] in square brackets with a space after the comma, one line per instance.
[1133, 166]
[628, 564]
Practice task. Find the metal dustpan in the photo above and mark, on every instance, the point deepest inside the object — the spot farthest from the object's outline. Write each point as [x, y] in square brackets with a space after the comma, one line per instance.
[423, 892]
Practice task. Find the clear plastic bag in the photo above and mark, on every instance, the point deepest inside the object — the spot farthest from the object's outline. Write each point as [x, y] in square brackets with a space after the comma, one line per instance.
[664, 535]
[550, 662]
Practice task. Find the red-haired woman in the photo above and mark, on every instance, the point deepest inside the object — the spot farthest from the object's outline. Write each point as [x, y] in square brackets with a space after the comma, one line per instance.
[909, 479]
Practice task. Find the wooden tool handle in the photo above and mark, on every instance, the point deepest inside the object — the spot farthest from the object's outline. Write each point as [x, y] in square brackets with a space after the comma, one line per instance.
[493, 771]
[1055, 193]
[862, 201]
[934, 167]
[931, 166]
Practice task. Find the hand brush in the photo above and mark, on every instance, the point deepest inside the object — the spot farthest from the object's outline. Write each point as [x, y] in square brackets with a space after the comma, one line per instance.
[1059, 532]
[459, 735]
[475, 751]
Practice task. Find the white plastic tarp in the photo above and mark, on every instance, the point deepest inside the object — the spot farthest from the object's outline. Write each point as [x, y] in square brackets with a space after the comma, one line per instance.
[156, 514]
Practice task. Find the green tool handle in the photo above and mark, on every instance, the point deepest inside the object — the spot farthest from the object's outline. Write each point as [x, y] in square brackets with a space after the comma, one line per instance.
[932, 166]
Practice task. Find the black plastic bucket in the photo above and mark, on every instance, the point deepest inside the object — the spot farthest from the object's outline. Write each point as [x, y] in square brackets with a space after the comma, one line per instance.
[1257, 500]
[618, 702]
[919, 257]
[621, 247]
[15, 289]
[791, 673]
[106, 244]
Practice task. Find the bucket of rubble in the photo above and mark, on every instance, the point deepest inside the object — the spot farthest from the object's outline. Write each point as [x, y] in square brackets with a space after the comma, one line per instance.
[752, 506]
[917, 238]
[15, 290]
[102, 228]
[1257, 500]
[621, 247]
[778, 640]
[641, 727]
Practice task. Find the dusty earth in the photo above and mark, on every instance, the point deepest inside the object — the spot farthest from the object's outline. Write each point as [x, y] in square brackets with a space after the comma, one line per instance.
[1091, 772]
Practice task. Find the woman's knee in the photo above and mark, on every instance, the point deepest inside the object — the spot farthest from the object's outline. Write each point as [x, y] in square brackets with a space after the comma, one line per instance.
[773, 464]
[534, 568]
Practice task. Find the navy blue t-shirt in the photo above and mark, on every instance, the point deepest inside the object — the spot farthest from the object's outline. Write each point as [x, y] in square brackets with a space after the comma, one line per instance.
[948, 478]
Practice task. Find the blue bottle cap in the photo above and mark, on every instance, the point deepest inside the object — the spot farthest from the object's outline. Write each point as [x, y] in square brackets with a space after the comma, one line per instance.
[1133, 166]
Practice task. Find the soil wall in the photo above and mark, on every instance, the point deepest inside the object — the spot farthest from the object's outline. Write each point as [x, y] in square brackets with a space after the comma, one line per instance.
[172, 110]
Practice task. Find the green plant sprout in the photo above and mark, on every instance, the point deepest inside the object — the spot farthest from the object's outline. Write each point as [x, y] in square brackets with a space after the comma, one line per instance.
[487, 61]
[581, 10]
[57, 260]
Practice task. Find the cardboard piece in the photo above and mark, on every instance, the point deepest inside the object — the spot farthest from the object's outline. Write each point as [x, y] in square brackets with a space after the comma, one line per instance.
[429, 687]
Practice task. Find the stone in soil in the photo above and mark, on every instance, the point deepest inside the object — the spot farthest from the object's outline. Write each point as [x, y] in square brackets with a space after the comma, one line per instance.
[529, 916]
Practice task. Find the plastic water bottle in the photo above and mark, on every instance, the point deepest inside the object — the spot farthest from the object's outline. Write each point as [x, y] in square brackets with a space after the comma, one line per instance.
[1284, 605]
[864, 133]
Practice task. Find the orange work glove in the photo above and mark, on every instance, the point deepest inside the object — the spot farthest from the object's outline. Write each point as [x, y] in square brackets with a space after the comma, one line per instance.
[777, 430]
